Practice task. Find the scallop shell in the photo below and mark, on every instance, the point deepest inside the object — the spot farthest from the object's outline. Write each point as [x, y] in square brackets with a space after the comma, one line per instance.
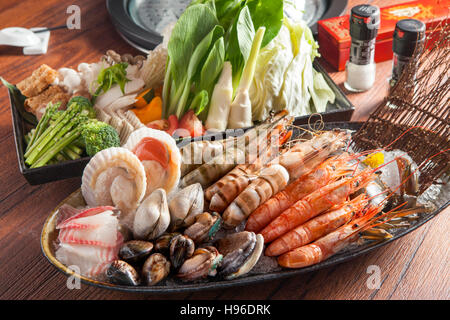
[114, 177]
[157, 177]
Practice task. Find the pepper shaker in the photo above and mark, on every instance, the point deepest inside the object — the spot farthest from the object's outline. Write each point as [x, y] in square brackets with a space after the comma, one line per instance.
[409, 36]
[360, 69]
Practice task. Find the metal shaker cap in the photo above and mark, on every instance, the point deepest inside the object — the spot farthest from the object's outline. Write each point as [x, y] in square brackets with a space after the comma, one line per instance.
[408, 34]
[364, 22]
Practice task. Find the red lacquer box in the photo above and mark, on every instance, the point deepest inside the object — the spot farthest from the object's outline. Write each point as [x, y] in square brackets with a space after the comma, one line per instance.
[334, 36]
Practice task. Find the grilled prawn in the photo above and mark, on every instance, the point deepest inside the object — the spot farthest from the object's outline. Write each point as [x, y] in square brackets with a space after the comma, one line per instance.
[328, 171]
[315, 203]
[318, 227]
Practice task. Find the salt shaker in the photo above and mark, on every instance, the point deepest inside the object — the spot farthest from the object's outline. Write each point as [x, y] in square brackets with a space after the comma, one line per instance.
[409, 36]
[360, 69]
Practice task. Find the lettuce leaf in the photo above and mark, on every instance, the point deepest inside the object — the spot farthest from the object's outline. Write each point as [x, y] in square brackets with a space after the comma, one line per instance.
[285, 77]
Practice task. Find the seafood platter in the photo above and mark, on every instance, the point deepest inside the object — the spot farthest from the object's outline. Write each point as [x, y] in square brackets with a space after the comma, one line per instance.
[311, 204]
[197, 170]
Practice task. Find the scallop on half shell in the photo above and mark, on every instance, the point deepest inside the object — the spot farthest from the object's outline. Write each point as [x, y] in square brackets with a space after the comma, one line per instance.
[160, 156]
[114, 177]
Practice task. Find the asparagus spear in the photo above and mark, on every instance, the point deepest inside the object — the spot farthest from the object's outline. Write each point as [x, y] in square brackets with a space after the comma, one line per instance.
[53, 130]
[57, 147]
[42, 125]
[77, 120]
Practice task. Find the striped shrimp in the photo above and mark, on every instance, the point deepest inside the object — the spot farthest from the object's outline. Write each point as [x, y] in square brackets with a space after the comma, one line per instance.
[318, 227]
[328, 171]
[198, 152]
[227, 188]
[241, 150]
[297, 161]
[315, 203]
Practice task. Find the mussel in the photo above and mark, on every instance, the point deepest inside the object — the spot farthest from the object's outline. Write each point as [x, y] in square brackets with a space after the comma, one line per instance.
[181, 248]
[203, 263]
[185, 205]
[205, 227]
[241, 252]
[122, 273]
[135, 250]
[155, 269]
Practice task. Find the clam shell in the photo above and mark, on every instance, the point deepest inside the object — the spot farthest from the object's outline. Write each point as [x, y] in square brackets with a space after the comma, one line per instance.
[239, 252]
[203, 263]
[166, 179]
[186, 205]
[100, 187]
[252, 259]
[181, 248]
[135, 250]
[155, 269]
[120, 272]
[205, 227]
[162, 244]
[152, 218]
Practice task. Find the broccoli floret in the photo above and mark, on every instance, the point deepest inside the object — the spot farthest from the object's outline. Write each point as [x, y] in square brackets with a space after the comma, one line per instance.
[97, 135]
[85, 104]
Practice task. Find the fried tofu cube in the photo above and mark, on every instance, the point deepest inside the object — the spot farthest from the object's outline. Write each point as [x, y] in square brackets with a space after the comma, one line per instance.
[39, 80]
[53, 94]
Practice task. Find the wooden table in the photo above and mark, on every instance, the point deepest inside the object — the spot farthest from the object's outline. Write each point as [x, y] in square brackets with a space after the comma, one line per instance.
[414, 267]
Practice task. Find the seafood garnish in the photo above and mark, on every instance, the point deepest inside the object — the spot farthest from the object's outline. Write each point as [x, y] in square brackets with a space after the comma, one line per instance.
[306, 201]
[185, 206]
[202, 264]
[122, 273]
[152, 218]
[155, 269]
[114, 177]
[160, 156]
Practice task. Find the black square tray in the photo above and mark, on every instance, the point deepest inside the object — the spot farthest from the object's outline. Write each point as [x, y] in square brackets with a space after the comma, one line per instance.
[35, 176]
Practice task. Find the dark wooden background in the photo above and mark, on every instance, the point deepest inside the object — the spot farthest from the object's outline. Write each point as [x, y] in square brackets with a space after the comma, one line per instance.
[414, 267]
